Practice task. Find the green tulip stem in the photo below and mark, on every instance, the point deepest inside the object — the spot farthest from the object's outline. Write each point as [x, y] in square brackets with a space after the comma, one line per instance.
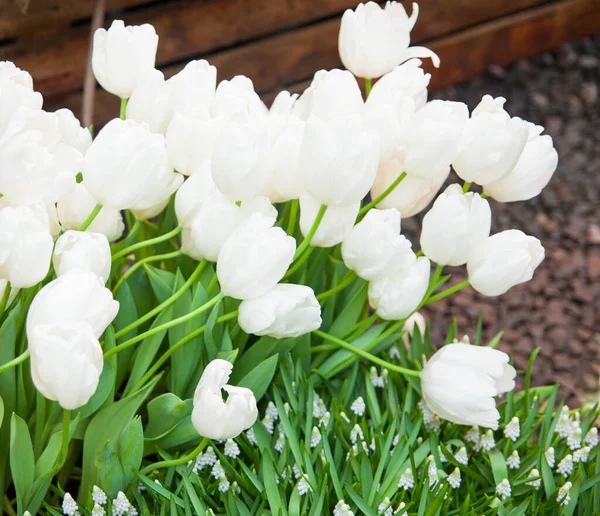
[123, 110]
[5, 296]
[166, 303]
[64, 450]
[346, 280]
[466, 186]
[165, 326]
[141, 263]
[129, 238]
[181, 342]
[366, 354]
[311, 233]
[368, 86]
[293, 216]
[298, 263]
[147, 243]
[91, 217]
[177, 462]
[383, 195]
[448, 292]
[15, 361]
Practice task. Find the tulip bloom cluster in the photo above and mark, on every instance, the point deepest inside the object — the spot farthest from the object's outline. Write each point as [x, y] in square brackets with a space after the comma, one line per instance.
[269, 206]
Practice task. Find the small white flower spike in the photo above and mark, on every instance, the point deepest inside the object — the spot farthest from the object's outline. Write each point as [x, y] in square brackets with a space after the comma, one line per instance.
[549, 454]
[303, 486]
[503, 489]
[69, 505]
[454, 479]
[99, 496]
[315, 437]
[512, 431]
[513, 461]
[565, 466]
[582, 454]
[358, 406]
[461, 456]
[407, 480]
[564, 496]
[534, 473]
[231, 449]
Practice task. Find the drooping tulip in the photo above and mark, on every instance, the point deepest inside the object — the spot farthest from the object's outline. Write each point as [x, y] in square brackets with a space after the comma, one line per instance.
[82, 251]
[285, 311]
[214, 418]
[503, 261]
[460, 381]
[122, 55]
[456, 224]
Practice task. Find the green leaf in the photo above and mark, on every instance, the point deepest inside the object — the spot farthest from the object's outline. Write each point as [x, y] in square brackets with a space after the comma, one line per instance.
[22, 464]
[111, 477]
[164, 413]
[128, 313]
[161, 281]
[130, 448]
[182, 361]
[259, 379]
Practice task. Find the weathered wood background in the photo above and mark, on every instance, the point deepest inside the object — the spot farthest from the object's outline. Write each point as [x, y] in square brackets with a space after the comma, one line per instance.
[277, 43]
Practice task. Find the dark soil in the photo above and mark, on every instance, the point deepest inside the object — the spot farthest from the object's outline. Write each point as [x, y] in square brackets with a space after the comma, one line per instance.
[559, 310]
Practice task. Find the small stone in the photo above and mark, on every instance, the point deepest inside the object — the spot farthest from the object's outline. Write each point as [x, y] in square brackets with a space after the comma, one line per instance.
[589, 93]
[588, 62]
[540, 100]
[593, 234]
[497, 71]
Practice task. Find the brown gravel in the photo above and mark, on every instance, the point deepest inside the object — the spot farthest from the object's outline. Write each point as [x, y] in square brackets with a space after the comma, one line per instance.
[559, 310]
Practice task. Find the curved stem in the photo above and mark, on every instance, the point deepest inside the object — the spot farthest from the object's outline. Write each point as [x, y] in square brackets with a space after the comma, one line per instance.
[91, 217]
[165, 326]
[448, 292]
[15, 361]
[346, 280]
[123, 110]
[130, 237]
[146, 243]
[383, 195]
[299, 262]
[366, 354]
[176, 346]
[212, 284]
[165, 304]
[293, 215]
[311, 233]
[5, 296]
[176, 462]
[137, 265]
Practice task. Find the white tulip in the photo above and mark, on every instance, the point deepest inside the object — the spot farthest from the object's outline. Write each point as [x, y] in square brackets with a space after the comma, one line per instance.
[503, 261]
[25, 245]
[285, 311]
[491, 143]
[122, 55]
[66, 362]
[375, 248]
[373, 40]
[72, 133]
[532, 172]
[189, 141]
[412, 195]
[338, 160]
[335, 225]
[398, 295]
[75, 297]
[10, 72]
[214, 418]
[254, 258]
[237, 97]
[192, 193]
[82, 251]
[460, 381]
[17, 102]
[239, 158]
[456, 224]
[332, 93]
[193, 87]
[414, 322]
[433, 138]
[75, 207]
[127, 167]
[150, 102]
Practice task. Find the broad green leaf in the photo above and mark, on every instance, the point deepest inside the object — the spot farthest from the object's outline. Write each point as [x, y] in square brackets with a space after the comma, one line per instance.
[262, 349]
[130, 448]
[128, 313]
[111, 477]
[161, 281]
[22, 463]
[182, 359]
[259, 379]
[164, 413]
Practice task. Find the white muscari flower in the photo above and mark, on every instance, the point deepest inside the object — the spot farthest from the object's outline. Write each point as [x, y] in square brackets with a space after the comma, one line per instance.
[217, 470]
[582, 454]
[461, 456]
[268, 423]
[342, 509]
[454, 479]
[235, 488]
[503, 489]
[373, 446]
[69, 505]
[564, 496]
[534, 483]
[324, 421]
[376, 380]
[365, 447]
[513, 461]
[319, 407]
[121, 505]
[296, 471]
[224, 484]
[358, 406]
[550, 457]
[407, 480]
[428, 415]
[356, 433]
[140, 487]
[280, 443]
[396, 440]
[563, 426]
[487, 442]
[512, 431]
[344, 417]
[434, 424]
[565, 466]
[473, 435]
[315, 437]
[385, 507]
[132, 511]
[574, 440]
[443, 458]
[394, 352]
[99, 496]
[303, 486]
[432, 472]
[401, 506]
[272, 411]
[98, 510]
[591, 438]
[251, 437]
[231, 449]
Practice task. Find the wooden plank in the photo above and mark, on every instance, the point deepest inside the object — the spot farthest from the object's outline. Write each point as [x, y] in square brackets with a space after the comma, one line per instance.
[195, 29]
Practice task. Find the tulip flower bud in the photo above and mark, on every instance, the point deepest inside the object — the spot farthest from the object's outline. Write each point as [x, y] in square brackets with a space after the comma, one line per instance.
[75, 297]
[75, 207]
[150, 102]
[18, 100]
[10, 72]
[531, 174]
[338, 160]
[193, 87]
[503, 261]
[456, 224]
[71, 132]
[254, 258]
[189, 141]
[373, 40]
[237, 97]
[375, 248]
[285, 311]
[335, 225]
[214, 418]
[412, 195]
[127, 167]
[414, 322]
[331, 94]
[491, 143]
[81, 251]
[122, 55]
[398, 295]
[25, 245]
[460, 381]
[66, 362]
